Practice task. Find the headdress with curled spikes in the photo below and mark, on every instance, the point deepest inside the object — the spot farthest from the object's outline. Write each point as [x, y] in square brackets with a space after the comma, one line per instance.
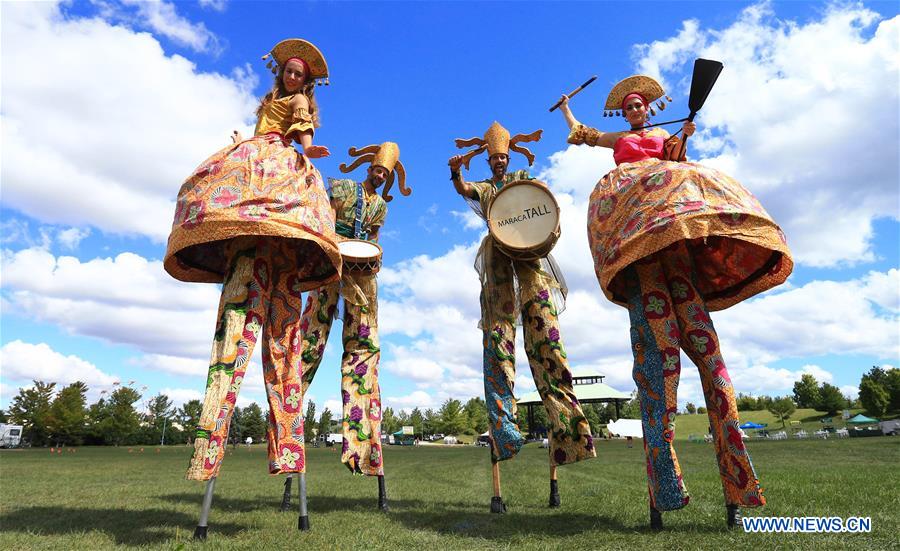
[299, 48]
[647, 87]
[497, 140]
[387, 156]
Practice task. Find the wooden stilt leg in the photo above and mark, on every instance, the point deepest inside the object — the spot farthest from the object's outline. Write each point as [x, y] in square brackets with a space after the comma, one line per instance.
[303, 521]
[497, 505]
[382, 494]
[286, 498]
[203, 524]
[554, 488]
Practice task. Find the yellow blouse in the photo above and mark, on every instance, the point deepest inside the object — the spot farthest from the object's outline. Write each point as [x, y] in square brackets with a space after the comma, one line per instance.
[278, 117]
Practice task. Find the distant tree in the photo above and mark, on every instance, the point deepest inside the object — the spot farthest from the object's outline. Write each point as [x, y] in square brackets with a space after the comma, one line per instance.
[430, 421]
[66, 421]
[160, 407]
[160, 412]
[188, 416]
[745, 402]
[874, 397]
[690, 408]
[892, 385]
[452, 418]
[879, 390]
[416, 420]
[763, 402]
[325, 418]
[590, 413]
[254, 422]
[701, 409]
[310, 419]
[121, 422]
[4, 418]
[830, 399]
[782, 408]
[388, 421]
[237, 427]
[476, 411]
[806, 392]
[632, 408]
[31, 409]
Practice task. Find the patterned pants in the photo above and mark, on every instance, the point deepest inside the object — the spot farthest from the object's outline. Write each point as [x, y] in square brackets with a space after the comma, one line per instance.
[668, 315]
[260, 292]
[360, 392]
[570, 433]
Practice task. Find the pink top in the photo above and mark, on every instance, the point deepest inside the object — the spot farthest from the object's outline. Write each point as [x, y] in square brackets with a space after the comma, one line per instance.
[637, 147]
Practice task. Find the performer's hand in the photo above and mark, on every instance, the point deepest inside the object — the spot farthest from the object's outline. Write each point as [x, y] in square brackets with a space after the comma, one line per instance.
[236, 137]
[564, 103]
[688, 128]
[316, 151]
[455, 162]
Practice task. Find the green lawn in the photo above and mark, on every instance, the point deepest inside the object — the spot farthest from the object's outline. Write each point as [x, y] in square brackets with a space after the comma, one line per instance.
[105, 497]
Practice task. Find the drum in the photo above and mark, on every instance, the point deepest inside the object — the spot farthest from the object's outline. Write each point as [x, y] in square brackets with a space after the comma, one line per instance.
[523, 219]
[360, 257]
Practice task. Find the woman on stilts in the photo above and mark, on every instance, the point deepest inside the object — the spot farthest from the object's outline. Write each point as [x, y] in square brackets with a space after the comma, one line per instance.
[255, 217]
[672, 241]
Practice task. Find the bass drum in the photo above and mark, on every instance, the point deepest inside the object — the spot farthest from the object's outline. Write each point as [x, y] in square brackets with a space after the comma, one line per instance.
[523, 219]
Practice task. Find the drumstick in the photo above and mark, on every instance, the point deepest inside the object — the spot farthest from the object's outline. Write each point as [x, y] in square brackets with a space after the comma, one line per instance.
[575, 91]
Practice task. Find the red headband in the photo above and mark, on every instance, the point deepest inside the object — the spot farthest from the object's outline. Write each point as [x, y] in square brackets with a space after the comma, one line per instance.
[305, 66]
[634, 95]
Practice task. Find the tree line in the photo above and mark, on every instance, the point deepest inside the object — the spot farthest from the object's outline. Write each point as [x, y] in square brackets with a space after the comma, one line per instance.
[63, 418]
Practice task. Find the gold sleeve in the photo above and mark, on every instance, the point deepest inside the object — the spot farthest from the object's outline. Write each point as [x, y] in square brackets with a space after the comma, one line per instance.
[582, 134]
[301, 121]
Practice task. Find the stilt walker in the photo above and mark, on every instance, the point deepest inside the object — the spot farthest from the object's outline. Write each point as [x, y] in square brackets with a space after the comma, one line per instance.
[360, 213]
[521, 285]
[255, 218]
[672, 241]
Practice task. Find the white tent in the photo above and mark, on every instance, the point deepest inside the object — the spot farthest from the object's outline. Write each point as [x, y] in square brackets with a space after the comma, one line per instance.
[626, 427]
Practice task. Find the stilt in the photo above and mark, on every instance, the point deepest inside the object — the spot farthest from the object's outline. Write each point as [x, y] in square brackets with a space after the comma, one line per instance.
[382, 494]
[497, 505]
[286, 498]
[733, 516]
[303, 521]
[554, 488]
[656, 522]
[203, 525]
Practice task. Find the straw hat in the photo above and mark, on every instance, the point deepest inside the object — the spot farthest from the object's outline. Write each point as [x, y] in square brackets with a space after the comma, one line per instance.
[307, 51]
[646, 86]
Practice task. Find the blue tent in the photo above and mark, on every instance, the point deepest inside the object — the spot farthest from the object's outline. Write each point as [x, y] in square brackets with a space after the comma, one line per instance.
[752, 425]
[861, 419]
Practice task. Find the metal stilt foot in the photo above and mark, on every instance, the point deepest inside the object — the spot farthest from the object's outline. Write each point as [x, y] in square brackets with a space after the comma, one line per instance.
[554, 494]
[382, 495]
[286, 498]
[656, 522]
[303, 521]
[497, 505]
[203, 524]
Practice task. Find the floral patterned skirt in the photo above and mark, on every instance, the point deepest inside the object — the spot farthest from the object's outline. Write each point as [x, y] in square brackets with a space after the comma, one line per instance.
[640, 208]
[258, 187]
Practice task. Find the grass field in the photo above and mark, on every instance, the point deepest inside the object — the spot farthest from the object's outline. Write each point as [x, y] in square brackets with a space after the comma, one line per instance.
[106, 497]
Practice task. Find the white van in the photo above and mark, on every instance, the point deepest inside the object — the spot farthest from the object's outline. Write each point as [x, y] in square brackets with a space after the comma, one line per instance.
[10, 435]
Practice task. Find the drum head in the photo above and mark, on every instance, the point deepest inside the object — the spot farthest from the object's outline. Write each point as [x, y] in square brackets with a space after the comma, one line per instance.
[357, 248]
[524, 215]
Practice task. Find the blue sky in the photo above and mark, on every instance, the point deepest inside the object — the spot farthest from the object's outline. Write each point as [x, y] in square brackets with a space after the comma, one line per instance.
[89, 175]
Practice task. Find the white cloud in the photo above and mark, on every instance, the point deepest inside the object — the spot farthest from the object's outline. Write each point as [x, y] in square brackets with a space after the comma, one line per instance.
[469, 219]
[164, 19]
[777, 117]
[217, 5]
[24, 362]
[125, 300]
[71, 237]
[417, 399]
[120, 142]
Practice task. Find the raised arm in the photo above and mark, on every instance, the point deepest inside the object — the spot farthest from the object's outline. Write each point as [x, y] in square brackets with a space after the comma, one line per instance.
[581, 134]
[462, 187]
